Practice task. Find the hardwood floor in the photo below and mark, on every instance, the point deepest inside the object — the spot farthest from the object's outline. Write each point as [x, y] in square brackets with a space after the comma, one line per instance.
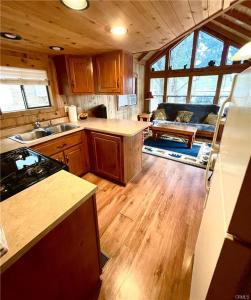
[149, 229]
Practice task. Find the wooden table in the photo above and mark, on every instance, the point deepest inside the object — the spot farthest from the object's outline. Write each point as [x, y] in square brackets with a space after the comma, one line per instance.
[183, 131]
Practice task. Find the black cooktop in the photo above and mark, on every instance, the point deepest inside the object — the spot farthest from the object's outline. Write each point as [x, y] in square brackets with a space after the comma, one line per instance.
[22, 168]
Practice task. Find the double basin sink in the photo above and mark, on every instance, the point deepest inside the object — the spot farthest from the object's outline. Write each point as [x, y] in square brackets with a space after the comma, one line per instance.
[35, 134]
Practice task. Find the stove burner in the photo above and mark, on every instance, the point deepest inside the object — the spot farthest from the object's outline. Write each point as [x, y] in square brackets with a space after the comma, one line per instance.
[22, 168]
[36, 170]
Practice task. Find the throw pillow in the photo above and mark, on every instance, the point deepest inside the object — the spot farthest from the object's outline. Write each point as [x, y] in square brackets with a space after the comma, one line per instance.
[211, 119]
[184, 116]
[160, 114]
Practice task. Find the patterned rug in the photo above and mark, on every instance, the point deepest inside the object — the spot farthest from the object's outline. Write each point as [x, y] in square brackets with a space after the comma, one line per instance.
[176, 149]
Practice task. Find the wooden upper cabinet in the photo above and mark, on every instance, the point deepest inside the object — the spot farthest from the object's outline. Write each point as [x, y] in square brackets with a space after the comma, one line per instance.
[74, 74]
[81, 74]
[114, 73]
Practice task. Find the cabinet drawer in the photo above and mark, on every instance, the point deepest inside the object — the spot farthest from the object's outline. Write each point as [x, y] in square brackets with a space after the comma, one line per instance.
[59, 144]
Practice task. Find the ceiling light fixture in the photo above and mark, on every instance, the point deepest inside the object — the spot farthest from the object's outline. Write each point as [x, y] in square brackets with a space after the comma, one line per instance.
[119, 30]
[10, 36]
[56, 48]
[244, 53]
[76, 4]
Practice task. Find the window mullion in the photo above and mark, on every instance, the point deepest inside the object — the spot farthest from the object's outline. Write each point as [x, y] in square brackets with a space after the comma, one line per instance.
[24, 97]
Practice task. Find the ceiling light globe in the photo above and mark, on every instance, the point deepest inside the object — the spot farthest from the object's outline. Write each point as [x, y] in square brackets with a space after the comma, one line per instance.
[76, 4]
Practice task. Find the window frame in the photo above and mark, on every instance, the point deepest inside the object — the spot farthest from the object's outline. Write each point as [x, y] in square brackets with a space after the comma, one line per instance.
[220, 70]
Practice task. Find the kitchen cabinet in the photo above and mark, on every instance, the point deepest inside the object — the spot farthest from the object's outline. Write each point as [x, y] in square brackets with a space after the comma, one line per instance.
[107, 155]
[70, 149]
[114, 73]
[74, 158]
[118, 158]
[74, 74]
[63, 264]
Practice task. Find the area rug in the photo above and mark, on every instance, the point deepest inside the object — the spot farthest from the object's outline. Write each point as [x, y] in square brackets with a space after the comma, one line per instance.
[176, 149]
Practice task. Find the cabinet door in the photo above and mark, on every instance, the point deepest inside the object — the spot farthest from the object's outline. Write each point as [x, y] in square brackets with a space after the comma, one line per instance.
[108, 73]
[107, 155]
[74, 158]
[81, 74]
[59, 157]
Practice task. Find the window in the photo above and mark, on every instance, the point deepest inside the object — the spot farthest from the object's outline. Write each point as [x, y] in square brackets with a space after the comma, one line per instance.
[177, 89]
[159, 65]
[226, 86]
[157, 89]
[208, 49]
[22, 89]
[180, 55]
[231, 52]
[203, 89]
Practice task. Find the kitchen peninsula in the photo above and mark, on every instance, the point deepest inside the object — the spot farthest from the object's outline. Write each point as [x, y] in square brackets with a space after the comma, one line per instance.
[108, 147]
[52, 234]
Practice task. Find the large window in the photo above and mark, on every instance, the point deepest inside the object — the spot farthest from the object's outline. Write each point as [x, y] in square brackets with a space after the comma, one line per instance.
[180, 55]
[157, 89]
[203, 74]
[160, 64]
[231, 52]
[177, 89]
[209, 49]
[22, 89]
[226, 87]
[203, 89]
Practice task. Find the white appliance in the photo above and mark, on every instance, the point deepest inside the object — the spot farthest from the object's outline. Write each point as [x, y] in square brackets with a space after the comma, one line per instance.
[219, 236]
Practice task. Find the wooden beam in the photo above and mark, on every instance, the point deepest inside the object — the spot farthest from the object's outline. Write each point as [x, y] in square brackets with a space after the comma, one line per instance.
[142, 55]
[226, 33]
[234, 26]
[227, 40]
[163, 49]
[225, 69]
[247, 4]
[239, 16]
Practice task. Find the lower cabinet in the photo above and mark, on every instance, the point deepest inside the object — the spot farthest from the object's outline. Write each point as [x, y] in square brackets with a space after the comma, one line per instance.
[74, 158]
[71, 150]
[64, 264]
[106, 155]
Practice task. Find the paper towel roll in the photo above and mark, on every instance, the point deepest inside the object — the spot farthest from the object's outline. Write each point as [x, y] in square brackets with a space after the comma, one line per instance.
[72, 111]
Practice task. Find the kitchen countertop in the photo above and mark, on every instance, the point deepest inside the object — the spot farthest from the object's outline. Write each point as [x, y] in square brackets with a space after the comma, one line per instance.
[29, 215]
[110, 126]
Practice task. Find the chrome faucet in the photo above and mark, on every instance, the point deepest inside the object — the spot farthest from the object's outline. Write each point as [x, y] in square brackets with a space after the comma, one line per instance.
[37, 125]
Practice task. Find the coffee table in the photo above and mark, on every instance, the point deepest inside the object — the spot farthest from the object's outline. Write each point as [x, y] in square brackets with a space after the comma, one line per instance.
[183, 131]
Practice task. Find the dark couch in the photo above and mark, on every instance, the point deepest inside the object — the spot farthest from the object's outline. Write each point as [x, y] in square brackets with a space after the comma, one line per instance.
[200, 112]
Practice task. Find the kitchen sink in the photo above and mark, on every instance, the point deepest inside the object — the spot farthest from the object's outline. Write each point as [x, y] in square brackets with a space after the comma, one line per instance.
[60, 128]
[35, 134]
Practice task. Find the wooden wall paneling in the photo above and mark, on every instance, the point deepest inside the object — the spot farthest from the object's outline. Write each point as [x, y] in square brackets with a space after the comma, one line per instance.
[199, 10]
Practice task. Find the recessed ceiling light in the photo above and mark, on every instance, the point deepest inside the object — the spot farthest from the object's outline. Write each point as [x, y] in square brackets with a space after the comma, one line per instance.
[118, 30]
[11, 36]
[56, 48]
[76, 4]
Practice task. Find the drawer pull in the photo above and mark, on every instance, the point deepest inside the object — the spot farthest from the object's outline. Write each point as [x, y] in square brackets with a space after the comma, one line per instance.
[61, 146]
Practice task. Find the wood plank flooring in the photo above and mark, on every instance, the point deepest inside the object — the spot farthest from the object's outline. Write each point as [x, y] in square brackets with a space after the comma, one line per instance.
[149, 229]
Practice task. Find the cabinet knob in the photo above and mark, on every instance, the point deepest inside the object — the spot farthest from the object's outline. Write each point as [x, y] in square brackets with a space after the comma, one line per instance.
[61, 146]
[66, 159]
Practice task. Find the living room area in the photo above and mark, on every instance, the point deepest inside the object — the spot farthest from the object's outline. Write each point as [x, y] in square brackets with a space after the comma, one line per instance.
[187, 94]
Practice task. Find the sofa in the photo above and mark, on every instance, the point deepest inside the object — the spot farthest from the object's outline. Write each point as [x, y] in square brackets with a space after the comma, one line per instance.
[200, 112]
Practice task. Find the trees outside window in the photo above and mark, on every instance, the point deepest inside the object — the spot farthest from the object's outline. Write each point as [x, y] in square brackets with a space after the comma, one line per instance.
[180, 55]
[177, 89]
[203, 74]
[208, 49]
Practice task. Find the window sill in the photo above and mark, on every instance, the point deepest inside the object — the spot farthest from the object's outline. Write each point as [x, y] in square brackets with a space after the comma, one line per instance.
[28, 112]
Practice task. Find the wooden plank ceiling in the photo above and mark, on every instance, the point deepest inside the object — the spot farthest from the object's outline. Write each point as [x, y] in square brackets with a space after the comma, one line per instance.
[150, 24]
[233, 24]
